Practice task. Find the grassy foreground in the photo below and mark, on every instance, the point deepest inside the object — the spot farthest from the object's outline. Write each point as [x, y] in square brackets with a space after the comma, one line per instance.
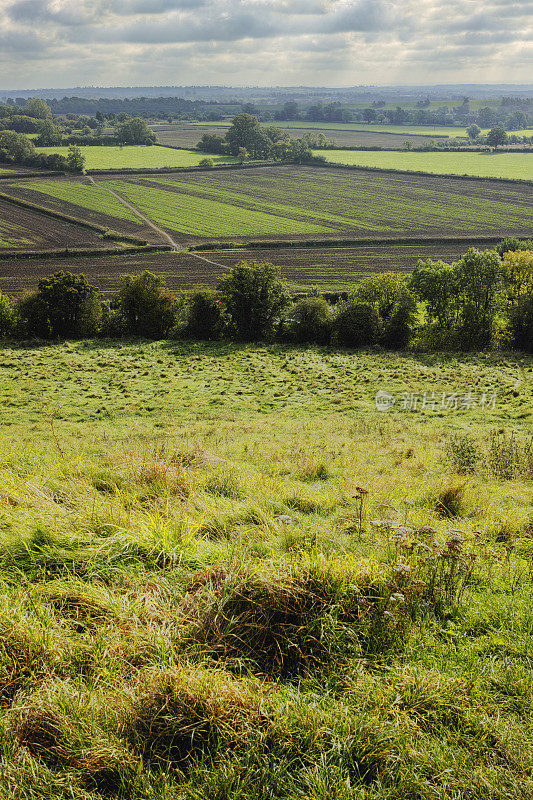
[515, 166]
[198, 600]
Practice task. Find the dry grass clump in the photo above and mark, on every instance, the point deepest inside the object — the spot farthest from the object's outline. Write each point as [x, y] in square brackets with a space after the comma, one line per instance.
[282, 619]
[59, 734]
[178, 716]
[450, 500]
[84, 606]
[21, 664]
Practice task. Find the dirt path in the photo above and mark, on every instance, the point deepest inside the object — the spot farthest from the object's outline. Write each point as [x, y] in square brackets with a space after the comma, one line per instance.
[139, 214]
[175, 246]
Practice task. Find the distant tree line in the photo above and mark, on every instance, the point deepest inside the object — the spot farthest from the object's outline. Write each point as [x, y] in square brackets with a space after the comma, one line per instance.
[483, 300]
[514, 114]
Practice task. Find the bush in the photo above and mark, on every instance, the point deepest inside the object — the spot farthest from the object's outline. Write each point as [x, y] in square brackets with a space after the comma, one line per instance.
[356, 325]
[521, 324]
[207, 162]
[398, 328]
[64, 305]
[254, 295]
[310, 321]
[7, 315]
[394, 304]
[146, 306]
[204, 316]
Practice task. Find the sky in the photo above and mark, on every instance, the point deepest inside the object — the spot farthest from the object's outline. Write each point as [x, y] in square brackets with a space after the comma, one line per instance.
[60, 43]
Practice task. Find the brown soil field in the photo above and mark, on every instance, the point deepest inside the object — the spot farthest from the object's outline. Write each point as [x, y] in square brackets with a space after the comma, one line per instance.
[26, 229]
[188, 135]
[329, 268]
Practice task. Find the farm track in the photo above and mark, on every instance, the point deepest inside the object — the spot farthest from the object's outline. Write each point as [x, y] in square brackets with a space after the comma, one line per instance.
[166, 236]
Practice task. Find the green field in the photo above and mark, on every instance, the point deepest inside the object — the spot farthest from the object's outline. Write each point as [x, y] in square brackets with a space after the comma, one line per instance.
[195, 604]
[289, 201]
[83, 194]
[137, 157]
[515, 166]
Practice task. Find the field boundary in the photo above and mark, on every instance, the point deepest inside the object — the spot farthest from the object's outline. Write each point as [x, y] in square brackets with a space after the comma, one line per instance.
[333, 243]
[80, 252]
[34, 174]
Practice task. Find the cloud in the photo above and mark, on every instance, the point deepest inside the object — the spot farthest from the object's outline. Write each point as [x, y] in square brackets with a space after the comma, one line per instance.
[262, 41]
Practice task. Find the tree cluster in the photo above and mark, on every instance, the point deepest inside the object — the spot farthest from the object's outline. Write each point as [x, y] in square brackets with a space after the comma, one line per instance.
[16, 148]
[246, 138]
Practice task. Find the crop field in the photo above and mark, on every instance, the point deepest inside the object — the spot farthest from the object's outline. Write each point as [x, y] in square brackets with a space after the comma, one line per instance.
[189, 134]
[24, 229]
[284, 202]
[137, 157]
[328, 268]
[414, 130]
[196, 603]
[513, 166]
[179, 270]
[287, 202]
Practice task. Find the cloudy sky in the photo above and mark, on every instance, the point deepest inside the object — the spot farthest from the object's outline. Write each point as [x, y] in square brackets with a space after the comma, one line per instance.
[56, 43]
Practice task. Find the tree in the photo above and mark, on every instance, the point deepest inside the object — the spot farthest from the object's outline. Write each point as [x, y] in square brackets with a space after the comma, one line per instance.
[75, 159]
[135, 131]
[37, 108]
[473, 132]
[64, 305]
[290, 110]
[254, 296]
[243, 155]
[518, 273]
[212, 143]
[497, 136]
[7, 315]
[204, 315]
[521, 323]
[146, 306]
[516, 121]
[49, 135]
[477, 281]
[434, 284]
[246, 132]
[394, 303]
[17, 146]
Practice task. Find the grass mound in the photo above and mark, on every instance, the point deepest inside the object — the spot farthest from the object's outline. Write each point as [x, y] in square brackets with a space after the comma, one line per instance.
[285, 620]
[179, 716]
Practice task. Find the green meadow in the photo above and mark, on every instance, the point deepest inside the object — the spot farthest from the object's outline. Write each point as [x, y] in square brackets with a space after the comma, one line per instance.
[137, 157]
[225, 574]
[514, 166]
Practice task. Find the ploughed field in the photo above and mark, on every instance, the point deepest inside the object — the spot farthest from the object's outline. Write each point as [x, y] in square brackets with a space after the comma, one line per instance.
[76, 197]
[290, 202]
[329, 268]
[189, 134]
